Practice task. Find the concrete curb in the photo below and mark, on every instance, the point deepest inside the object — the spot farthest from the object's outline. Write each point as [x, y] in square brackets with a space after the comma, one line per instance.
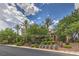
[67, 52]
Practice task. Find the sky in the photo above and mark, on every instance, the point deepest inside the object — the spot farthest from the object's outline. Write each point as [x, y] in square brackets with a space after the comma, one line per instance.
[53, 10]
[15, 13]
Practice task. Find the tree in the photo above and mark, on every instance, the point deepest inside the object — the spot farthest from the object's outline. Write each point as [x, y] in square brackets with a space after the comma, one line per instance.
[68, 25]
[48, 22]
[24, 30]
[7, 36]
[24, 27]
[36, 32]
[17, 27]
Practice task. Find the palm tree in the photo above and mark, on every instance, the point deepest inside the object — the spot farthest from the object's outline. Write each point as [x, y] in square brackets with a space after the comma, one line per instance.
[26, 23]
[24, 29]
[24, 26]
[17, 27]
[48, 22]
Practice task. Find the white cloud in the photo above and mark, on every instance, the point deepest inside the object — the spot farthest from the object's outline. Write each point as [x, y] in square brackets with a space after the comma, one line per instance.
[8, 19]
[10, 16]
[7, 11]
[51, 27]
[76, 5]
[39, 18]
[16, 14]
[55, 21]
[31, 22]
[29, 8]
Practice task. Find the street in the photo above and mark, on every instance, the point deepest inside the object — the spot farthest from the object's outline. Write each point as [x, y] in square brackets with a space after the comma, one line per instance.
[12, 51]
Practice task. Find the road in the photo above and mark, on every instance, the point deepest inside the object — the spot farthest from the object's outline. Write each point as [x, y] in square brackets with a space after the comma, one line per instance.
[13, 51]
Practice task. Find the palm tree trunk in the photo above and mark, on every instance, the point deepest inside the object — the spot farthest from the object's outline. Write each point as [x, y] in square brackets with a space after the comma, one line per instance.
[67, 39]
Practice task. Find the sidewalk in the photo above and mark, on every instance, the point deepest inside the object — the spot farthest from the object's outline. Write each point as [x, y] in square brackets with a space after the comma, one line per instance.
[67, 52]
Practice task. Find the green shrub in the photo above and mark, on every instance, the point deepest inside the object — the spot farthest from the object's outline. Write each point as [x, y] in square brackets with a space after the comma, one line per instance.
[19, 44]
[67, 43]
[4, 42]
[19, 41]
[53, 42]
[78, 41]
[49, 42]
[67, 46]
[45, 42]
[35, 45]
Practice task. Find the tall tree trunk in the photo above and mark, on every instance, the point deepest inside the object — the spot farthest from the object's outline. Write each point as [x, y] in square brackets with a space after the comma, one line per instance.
[67, 39]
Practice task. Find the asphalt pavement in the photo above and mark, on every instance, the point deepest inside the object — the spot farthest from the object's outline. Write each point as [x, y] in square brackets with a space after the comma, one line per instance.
[15, 51]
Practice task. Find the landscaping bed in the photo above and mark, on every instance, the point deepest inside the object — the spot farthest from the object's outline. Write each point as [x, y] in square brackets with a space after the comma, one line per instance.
[72, 47]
